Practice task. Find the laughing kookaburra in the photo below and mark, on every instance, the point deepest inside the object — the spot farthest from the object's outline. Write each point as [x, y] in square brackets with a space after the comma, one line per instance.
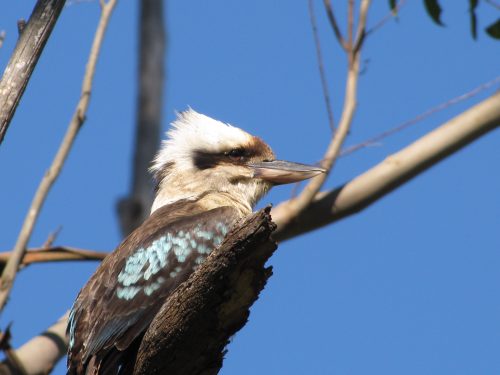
[209, 175]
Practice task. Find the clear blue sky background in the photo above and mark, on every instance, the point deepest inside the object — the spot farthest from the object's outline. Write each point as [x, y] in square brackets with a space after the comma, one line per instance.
[409, 286]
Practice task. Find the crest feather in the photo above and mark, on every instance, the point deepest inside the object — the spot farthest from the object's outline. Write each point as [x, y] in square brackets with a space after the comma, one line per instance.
[193, 131]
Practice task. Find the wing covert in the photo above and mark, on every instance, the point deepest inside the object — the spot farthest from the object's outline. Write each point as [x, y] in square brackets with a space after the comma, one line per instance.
[121, 299]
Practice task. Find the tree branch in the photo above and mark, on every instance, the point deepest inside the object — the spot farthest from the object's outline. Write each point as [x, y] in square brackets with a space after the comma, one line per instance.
[53, 254]
[190, 332]
[297, 205]
[135, 208]
[322, 75]
[328, 207]
[12, 266]
[395, 170]
[335, 26]
[25, 57]
[41, 353]
[376, 139]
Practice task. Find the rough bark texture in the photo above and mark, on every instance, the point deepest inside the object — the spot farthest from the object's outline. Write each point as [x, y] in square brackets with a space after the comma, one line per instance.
[25, 56]
[190, 333]
[134, 209]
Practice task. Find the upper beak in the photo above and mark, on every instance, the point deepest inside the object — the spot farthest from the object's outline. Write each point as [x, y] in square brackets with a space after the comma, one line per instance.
[284, 172]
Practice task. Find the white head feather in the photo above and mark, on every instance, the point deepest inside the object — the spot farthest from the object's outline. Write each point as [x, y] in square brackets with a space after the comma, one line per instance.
[178, 177]
[194, 131]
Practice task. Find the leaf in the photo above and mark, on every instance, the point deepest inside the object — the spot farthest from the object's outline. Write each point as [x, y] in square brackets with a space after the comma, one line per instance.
[434, 10]
[392, 5]
[494, 29]
[473, 18]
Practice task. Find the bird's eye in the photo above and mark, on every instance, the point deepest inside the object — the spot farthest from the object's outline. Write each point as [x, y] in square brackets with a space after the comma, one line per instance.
[236, 153]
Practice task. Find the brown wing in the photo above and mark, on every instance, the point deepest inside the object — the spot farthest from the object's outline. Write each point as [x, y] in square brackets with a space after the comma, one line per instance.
[121, 299]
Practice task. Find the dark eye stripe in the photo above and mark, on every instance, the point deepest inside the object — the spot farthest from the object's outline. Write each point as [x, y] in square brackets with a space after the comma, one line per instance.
[236, 153]
[205, 160]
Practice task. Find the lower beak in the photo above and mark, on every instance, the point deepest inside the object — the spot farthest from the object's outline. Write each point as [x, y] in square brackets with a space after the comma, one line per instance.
[284, 172]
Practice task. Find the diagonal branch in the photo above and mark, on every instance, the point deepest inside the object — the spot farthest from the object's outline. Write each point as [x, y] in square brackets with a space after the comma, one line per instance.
[390, 15]
[335, 26]
[12, 266]
[25, 57]
[296, 206]
[374, 140]
[394, 171]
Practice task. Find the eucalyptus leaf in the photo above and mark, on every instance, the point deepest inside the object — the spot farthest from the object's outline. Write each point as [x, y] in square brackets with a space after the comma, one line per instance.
[392, 6]
[473, 17]
[434, 10]
[494, 29]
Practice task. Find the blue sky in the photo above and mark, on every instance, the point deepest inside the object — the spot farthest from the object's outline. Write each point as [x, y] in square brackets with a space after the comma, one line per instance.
[409, 286]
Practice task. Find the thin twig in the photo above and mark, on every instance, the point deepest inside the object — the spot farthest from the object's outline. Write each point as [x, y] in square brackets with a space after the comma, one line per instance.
[493, 3]
[361, 31]
[297, 205]
[420, 117]
[54, 254]
[51, 238]
[12, 266]
[335, 26]
[324, 83]
[21, 24]
[389, 16]
[2, 37]
[350, 22]
[394, 171]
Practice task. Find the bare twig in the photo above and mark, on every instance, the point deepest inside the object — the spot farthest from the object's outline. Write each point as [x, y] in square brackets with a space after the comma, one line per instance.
[361, 30]
[10, 270]
[51, 238]
[324, 83]
[420, 117]
[298, 204]
[2, 37]
[135, 208]
[389, 16]
[493, 3]
[350, 22]
[21, 24]
[395, 170]
[77, 2]
[54, 254]
[24, 58]
[334, 24]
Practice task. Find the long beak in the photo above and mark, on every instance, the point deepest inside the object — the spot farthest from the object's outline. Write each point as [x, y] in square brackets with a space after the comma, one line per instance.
[284, 172]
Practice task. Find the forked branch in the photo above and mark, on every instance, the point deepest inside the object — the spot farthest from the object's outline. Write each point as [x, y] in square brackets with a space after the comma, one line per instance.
[297, 205]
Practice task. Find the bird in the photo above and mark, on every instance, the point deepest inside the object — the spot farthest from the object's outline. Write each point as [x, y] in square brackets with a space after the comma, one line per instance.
[209, 175]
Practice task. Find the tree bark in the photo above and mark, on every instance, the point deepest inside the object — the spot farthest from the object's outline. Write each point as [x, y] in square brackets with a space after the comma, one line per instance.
[25, 57]
[190, 333]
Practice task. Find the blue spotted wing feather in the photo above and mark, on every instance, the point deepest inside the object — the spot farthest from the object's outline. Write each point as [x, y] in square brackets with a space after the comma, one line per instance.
[121, 299]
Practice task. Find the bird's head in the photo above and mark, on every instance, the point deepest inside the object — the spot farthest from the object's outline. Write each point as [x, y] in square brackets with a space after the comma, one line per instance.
[204, 157]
